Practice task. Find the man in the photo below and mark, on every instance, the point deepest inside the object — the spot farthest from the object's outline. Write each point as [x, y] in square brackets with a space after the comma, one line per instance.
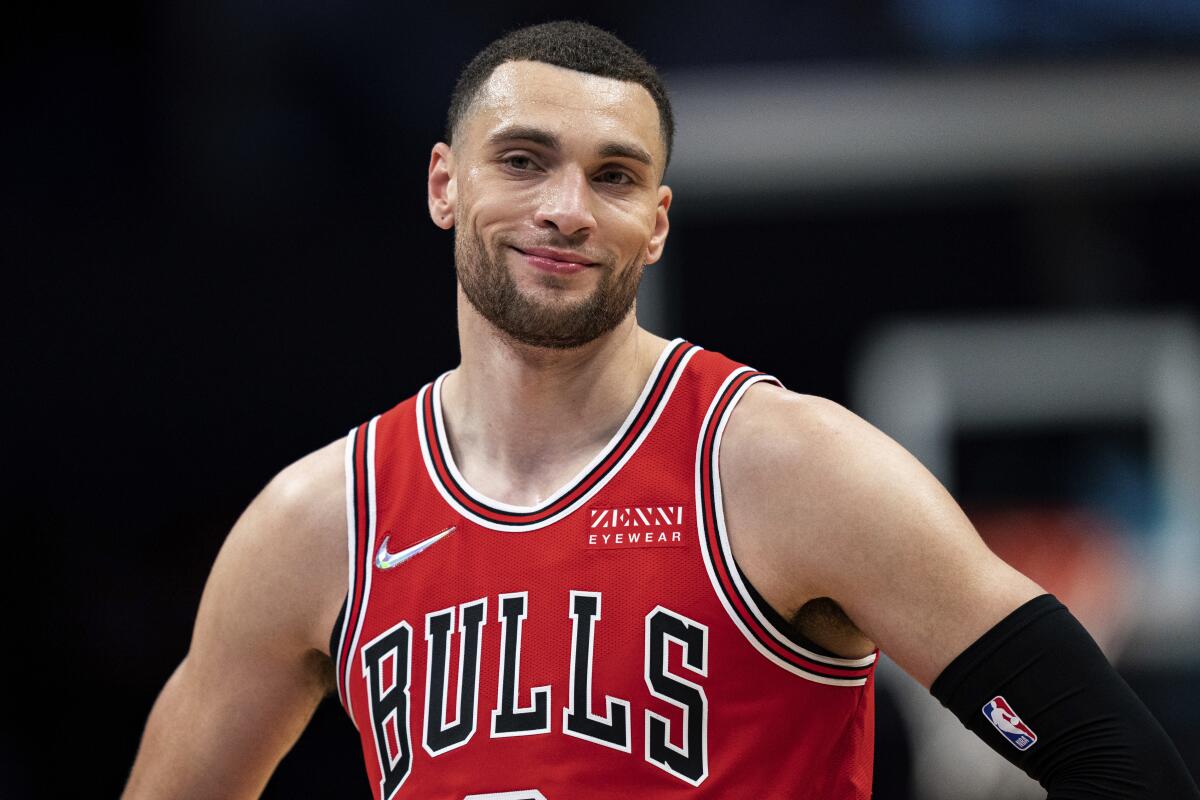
[589, 562]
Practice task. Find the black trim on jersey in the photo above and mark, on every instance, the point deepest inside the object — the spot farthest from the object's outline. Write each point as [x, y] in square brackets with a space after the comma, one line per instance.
[663, 377]
[541, 513]
[781, 624]
[341, 661]
[363, 482]
[334, 643]
[775, 644]
[786, 629]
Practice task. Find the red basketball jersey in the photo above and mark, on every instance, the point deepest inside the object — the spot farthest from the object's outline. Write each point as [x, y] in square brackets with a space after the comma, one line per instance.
[602, 644]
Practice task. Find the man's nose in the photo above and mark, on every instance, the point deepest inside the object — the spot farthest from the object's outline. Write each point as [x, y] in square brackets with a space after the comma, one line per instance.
[566, 203]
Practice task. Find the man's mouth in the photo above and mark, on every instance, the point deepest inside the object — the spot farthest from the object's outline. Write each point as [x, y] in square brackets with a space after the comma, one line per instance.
[560, 262]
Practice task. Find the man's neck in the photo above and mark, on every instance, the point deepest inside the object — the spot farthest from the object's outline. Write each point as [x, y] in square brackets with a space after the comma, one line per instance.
[522, 421]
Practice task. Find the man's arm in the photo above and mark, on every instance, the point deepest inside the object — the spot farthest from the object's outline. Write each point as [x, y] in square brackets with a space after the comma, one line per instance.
[820, 504]
[256, 668]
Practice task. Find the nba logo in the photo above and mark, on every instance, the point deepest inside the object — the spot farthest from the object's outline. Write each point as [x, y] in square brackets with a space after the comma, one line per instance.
[1001, 715]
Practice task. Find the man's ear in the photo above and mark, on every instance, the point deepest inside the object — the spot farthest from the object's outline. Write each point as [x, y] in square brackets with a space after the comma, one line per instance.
[442, 186]
[662, 225]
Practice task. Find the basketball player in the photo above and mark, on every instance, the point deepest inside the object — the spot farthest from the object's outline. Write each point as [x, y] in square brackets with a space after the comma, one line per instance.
[589, 562]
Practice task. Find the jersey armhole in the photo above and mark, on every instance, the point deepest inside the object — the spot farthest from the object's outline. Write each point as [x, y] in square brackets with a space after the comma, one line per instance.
[335, 634]
[360, 533]
[756, 619]
[779, 621]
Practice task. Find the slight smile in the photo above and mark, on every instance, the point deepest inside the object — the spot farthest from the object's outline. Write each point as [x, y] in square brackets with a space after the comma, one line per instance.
[559, 262]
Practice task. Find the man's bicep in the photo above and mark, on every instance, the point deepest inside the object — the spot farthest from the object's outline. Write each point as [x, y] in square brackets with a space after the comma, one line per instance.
[897, 553]
[927, 586]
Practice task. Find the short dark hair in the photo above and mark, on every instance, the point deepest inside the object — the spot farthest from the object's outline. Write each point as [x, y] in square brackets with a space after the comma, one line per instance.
[572, 45]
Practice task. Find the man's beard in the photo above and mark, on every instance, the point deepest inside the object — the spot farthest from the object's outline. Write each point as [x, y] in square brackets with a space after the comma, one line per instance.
[491, 289]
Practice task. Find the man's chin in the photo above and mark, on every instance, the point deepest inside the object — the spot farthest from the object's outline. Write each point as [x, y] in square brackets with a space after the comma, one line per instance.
[542, 309]
[556, 300]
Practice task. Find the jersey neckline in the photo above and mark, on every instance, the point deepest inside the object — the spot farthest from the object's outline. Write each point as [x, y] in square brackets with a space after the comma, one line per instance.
[491, 513]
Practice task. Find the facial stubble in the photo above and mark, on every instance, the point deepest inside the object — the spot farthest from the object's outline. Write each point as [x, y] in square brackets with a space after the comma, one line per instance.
[532, 321]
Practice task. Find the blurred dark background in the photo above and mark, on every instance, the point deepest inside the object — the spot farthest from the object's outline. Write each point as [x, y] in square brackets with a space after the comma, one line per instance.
[220, 259]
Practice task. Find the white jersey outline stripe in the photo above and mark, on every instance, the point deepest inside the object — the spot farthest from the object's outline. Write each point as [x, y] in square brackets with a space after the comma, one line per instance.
[727, 550]
[343, 685]
[586, 496]
[364, 559]
[609, 447]
[724, 543]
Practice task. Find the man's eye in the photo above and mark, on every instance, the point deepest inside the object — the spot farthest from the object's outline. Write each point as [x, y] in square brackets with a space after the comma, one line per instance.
[519, 162]
[615, 177]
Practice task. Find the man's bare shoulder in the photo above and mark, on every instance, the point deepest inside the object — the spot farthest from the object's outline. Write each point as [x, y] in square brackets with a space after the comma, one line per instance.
[287, 553]
[822, 462]
[810, 460]
[308, 497]
[775, 434]
[769, 409]
[799, 490]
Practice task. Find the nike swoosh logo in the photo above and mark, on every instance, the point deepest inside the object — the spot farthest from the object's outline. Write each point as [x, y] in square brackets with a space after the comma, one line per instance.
[386, 560]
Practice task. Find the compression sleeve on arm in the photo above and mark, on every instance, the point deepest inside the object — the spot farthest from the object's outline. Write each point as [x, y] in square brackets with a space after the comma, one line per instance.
[1038, 690]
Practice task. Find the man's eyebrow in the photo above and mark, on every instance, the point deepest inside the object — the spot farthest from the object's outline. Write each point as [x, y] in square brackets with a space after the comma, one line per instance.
[621, 150]
[525, 133]
[547, 139]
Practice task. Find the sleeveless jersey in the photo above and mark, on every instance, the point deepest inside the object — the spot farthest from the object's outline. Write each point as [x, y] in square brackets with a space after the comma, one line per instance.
[601, 644]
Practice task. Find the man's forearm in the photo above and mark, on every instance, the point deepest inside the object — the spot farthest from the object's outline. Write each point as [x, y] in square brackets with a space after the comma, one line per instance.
[1038, 690]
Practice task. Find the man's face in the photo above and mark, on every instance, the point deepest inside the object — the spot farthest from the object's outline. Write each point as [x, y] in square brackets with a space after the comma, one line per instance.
[556, 201]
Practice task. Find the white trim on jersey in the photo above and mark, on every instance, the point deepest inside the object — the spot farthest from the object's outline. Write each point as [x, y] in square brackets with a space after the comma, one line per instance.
[552, 499]
[343, 681]
[364, 560]
[440, 427]
[723, 539]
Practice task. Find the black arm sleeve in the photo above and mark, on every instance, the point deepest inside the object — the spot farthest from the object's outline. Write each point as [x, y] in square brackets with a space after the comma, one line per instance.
[1091, 735]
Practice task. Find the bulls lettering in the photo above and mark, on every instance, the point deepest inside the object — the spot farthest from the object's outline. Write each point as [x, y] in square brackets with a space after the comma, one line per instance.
[678, 745]
[387, 665]
[611, 730]
[509, 719]
[440, 737]
[689, 762]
